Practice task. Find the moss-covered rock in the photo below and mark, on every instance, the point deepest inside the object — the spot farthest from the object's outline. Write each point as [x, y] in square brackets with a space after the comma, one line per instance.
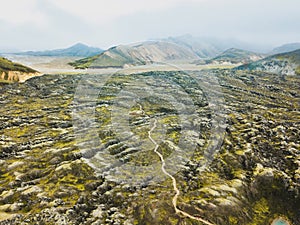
[46, 176]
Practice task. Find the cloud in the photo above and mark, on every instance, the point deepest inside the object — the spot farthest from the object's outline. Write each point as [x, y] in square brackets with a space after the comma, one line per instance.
[18, 12]
[103, 11]
[40, 24]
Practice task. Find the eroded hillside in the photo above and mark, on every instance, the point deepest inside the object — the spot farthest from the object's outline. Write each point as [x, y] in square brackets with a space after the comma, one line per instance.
[14, 72]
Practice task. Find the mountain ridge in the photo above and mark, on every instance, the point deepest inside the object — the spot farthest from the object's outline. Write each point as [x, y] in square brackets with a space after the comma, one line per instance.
[287, 63]
[136, 54]
[232, 56]
[206, 47]
[289, 47]
[79, 50]
[186, 47]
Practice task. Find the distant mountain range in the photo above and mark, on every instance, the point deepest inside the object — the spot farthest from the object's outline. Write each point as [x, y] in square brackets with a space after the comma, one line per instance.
[78, 50]
[182, 48]
[283, 64]
[137, 54]
[14, 72]
[233, 56]
[174, 49]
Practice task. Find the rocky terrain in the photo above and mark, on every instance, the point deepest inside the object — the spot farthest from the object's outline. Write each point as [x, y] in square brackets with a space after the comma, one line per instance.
[14, 72]
[76, 149]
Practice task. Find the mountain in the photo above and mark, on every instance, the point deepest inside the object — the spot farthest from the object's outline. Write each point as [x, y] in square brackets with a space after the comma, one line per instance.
[14, 72]
[283, 64]
[208, 48]
[286, 48]
[79, 50]
[233, 56]
[204, 48]
[182, 48]
[137, 54]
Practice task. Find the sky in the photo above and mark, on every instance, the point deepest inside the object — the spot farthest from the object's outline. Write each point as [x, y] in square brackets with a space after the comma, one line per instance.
[51, 24]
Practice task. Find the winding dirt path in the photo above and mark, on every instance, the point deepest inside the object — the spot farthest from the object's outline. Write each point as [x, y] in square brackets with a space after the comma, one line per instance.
[163, 164]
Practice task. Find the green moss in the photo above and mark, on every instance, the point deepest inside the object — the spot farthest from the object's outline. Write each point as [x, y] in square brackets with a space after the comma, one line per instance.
[261, 212]
[233, 220]
[174, 136]
[298, 70]
[83, 63]
[63, 144]
[72, 181]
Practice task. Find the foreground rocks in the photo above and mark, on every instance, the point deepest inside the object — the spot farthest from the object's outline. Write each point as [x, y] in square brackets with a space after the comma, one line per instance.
[48, 175]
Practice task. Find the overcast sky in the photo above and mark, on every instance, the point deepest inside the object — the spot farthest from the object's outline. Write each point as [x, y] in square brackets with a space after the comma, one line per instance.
[48, 24]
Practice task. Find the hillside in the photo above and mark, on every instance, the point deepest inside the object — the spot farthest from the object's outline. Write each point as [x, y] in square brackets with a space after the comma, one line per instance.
[79, 50]
[138, 54]
[285, 48]
[283, 64]
[233, 56]
[14, 72]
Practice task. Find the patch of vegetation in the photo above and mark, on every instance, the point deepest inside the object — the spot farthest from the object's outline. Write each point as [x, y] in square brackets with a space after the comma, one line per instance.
[298, 70]
[294, 56]
[7, 65]
[112, 58]
[83, 63]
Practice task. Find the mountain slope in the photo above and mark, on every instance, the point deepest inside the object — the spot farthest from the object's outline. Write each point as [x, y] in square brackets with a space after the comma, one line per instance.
[14, 72]
[286, 48]
[284, 63]
[182, 48]
[138, 54]
[207, 48]
[79, 50]
[204, 48]
[233, 56]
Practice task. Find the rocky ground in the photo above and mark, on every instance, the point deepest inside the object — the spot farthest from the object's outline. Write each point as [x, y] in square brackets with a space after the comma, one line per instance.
[231, 137]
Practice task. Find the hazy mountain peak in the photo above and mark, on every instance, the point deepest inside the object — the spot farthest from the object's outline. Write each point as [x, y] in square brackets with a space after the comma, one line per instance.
[78, 49]
[79, 44]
